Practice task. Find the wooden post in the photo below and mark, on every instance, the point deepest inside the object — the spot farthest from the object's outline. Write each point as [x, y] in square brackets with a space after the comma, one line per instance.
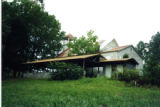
[84, 67]
[84, 64]
[98, 72]
[98, 69]
[92, 70]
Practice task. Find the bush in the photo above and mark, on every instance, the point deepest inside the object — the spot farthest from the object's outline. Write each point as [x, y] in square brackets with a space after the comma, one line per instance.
[155, 76]
[125, 56]
[66, 71]
[117, 75]
[130, 74]
[152, 76]
[127, 75]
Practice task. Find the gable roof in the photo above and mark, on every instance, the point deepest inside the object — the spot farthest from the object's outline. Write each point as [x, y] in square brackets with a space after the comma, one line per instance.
[105, 44]
[120, 60]
[121, 48]
[63, 59]
[63, 54]
[70, 36]
[101, 42]
[117, 48]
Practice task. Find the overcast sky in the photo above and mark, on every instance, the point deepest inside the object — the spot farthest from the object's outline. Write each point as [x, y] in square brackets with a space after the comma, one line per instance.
[128, 21]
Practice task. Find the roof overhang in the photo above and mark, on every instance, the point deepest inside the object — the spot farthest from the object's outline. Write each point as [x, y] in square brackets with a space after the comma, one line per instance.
[63, 59]
[132, 60]
[117, 49]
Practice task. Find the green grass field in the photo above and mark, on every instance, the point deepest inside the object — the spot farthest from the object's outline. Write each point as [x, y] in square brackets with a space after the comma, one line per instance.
[86, 92]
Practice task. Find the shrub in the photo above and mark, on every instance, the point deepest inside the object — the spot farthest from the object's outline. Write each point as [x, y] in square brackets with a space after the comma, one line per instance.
[127, 75]
[66, 71]
[155, 76]
[152, 76]
[130, 74]
[125, 56]
[117, 75]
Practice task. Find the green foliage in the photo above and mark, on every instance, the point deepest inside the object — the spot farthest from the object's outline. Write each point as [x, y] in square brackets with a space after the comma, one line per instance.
[83, 45]
[125, 56]
[153, 76]
[117, 75]
[66, 71]
[142, 49]
[86, 92]
[28, 33]
[127, 75]
[151, 54]
[152, 66]
[130, 74]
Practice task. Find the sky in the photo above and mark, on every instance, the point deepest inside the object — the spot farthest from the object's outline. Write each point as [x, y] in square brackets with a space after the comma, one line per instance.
[128, 21]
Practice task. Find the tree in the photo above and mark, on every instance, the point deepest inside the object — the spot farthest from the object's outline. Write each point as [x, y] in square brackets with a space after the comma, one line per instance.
[66, 71]
[28, 33]
[84, 45]
[142, 49]
[154, 48]
[153, 60]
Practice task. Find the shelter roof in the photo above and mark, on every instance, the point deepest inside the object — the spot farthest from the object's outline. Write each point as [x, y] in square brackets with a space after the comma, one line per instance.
[63, 59]
[120, 60]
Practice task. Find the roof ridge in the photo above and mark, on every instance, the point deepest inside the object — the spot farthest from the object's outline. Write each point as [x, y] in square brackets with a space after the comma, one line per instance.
[118, 48]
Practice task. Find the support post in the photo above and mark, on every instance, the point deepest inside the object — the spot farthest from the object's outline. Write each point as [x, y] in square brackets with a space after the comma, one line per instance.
[92, 70]
[98, 69]
[84, 67]
[98, 72]
[84, 64]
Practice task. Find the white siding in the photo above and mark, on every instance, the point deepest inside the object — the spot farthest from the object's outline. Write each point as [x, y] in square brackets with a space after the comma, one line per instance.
[132, 54]
[110, 55]
[108, 71]
[108, 46]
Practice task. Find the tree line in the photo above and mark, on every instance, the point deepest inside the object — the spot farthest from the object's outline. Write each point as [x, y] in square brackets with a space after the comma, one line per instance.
[28, 33]
[151, 55]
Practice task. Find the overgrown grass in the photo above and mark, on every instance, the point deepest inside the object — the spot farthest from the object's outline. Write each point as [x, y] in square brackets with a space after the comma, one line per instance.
[86, 92]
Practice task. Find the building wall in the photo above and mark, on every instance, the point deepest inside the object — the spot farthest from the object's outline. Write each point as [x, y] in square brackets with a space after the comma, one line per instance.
[119, 55]
[110, 55]
[37, 75]
[108, 71]
[132, 54]
[110, 45]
